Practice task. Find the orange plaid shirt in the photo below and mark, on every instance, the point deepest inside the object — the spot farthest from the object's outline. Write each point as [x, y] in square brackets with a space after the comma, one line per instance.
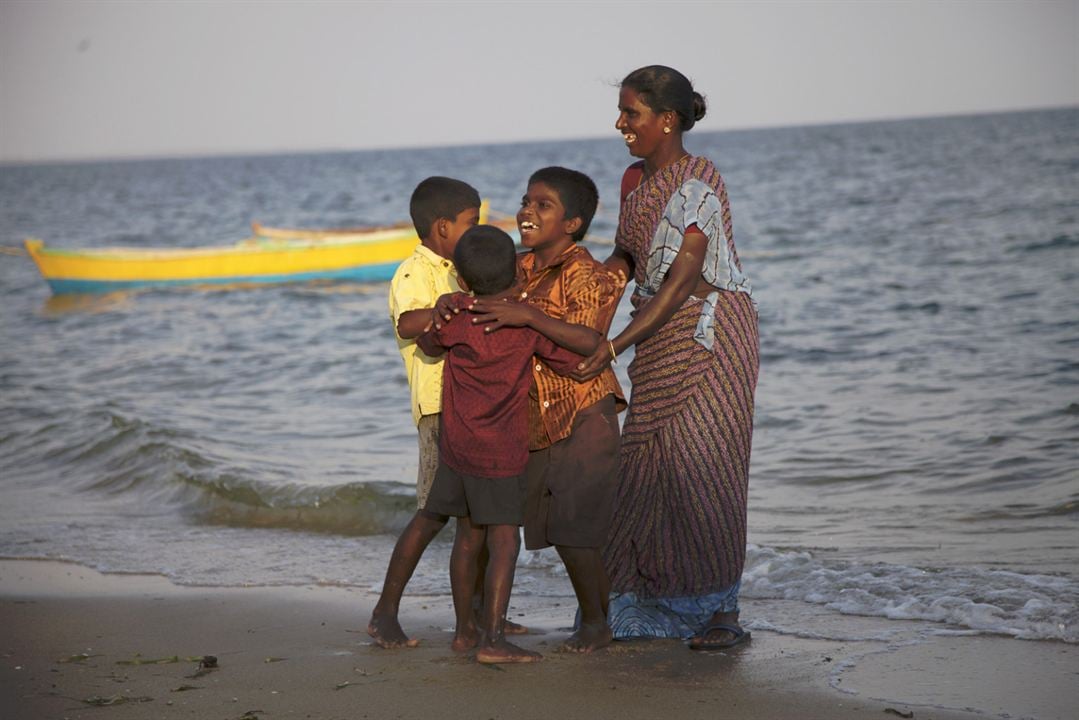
[576, 289]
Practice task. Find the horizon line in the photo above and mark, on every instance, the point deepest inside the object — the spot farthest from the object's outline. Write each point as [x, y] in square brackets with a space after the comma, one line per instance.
[204, 154]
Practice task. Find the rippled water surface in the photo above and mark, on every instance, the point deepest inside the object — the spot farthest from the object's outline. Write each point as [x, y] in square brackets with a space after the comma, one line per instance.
[916, 450]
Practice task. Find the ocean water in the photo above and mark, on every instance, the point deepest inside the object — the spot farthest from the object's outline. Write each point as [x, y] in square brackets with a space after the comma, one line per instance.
[916, 449]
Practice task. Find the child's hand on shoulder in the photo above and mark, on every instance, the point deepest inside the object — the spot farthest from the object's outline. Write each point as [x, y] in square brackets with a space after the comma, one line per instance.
[499, 313]
[446, 307]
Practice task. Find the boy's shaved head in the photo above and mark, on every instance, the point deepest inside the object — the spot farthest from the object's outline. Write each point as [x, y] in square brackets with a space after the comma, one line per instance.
[486, 259]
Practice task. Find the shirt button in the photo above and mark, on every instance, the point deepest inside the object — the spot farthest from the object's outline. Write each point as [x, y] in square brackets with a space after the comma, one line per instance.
[546, 404]
[538, 368]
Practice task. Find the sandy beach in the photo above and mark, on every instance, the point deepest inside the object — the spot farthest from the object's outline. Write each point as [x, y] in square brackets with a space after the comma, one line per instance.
[79, 644]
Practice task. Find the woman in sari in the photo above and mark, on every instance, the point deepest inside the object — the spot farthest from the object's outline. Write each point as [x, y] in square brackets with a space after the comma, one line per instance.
[678, 541]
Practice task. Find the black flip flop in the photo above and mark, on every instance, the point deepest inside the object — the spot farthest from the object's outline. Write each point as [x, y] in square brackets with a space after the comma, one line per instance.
[739, 636]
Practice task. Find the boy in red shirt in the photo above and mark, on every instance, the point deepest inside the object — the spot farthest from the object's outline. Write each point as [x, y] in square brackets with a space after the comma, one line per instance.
[483, 445]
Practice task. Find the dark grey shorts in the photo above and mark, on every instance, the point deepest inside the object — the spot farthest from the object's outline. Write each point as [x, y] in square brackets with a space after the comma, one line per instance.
[485, 501]
[571, 484]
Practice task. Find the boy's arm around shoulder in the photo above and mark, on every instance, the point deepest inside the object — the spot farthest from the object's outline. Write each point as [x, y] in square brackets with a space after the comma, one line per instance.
[558, 358]
[413, 323]
[430, 342]
[442, 333]
[412, 298]
[594, 293]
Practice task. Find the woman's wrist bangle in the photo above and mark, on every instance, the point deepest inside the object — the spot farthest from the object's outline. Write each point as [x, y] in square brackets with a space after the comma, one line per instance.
[614, 355]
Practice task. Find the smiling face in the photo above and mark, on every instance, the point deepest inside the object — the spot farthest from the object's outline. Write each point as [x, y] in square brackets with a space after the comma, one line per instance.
[542, 220]
[640, 126]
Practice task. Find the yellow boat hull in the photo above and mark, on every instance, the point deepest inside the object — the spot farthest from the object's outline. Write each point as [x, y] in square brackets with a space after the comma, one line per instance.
[274, 255]
[369, 257]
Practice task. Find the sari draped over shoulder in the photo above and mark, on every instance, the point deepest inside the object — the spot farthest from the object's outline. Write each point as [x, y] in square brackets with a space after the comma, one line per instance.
[677, 546]
[695, 203]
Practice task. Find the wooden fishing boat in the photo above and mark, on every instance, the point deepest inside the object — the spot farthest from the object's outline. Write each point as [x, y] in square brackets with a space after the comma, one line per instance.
[264, 231]
[274, 255]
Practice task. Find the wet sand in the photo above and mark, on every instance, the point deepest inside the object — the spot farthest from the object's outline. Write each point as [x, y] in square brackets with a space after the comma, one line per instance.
[78, 644]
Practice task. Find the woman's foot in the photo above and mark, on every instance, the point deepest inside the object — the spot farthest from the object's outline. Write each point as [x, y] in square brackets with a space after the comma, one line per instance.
[721, 632]
[588, 638]
[505, 652]
[387, 632]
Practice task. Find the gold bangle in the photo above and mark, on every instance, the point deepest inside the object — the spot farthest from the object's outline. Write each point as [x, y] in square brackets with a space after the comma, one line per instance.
[614, 355]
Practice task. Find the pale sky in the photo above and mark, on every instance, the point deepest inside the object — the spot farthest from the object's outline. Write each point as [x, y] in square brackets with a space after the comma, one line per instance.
[83, 79]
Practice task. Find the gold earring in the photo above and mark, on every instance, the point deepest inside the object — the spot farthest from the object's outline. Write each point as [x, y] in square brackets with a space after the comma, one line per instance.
[667, 131]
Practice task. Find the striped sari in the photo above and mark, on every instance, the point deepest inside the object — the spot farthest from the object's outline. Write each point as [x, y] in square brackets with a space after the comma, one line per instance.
[677, 545]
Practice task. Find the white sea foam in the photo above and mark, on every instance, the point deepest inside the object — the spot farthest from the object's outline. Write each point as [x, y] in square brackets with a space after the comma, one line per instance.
[1036, 607]
[797, 629]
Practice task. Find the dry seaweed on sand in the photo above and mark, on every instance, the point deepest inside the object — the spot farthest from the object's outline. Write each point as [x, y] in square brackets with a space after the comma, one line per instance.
[118, 699]
[208, 661]
[80, 657]
[139, 660]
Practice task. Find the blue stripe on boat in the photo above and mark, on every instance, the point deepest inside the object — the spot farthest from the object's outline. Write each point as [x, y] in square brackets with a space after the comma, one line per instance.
[365, 273]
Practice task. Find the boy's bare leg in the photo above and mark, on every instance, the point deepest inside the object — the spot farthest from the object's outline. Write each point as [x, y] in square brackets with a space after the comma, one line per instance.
[593, 589]
[511, 628]
[417, 535]
[467, 544]
[504, 542]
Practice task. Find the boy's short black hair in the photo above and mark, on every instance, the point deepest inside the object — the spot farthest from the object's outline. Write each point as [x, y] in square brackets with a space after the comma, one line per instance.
[576, 191]
[440, 197]
[486, 259]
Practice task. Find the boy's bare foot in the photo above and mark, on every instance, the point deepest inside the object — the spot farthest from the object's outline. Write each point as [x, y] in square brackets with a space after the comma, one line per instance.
[464, 640]
[512, 628]
[588, 638]
[509, 628]
[505, 652]
[388, 634]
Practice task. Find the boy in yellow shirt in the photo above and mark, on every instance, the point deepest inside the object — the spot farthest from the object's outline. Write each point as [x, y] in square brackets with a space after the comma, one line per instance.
[442, 209]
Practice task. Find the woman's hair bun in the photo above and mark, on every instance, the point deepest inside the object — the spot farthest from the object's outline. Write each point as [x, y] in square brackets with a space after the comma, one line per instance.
[700, 107]
[665, 89]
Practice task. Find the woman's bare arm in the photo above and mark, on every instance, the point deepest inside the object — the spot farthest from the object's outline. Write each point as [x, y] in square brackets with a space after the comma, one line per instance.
[682, 279]
[620, 261]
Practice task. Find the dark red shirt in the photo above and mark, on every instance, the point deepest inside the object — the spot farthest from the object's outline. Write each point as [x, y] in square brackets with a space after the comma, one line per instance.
[485, 382]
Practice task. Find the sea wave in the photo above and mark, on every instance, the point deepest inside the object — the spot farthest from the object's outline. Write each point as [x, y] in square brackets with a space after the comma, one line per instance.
[149, 466]
[1059, 242]
[1033, 607]
[349, 509]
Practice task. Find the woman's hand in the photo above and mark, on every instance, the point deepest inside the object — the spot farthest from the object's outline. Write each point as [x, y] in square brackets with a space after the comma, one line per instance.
[498, 313]
[594, 364]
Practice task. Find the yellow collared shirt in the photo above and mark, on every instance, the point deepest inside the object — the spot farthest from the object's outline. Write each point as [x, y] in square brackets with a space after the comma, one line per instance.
[417, 284]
